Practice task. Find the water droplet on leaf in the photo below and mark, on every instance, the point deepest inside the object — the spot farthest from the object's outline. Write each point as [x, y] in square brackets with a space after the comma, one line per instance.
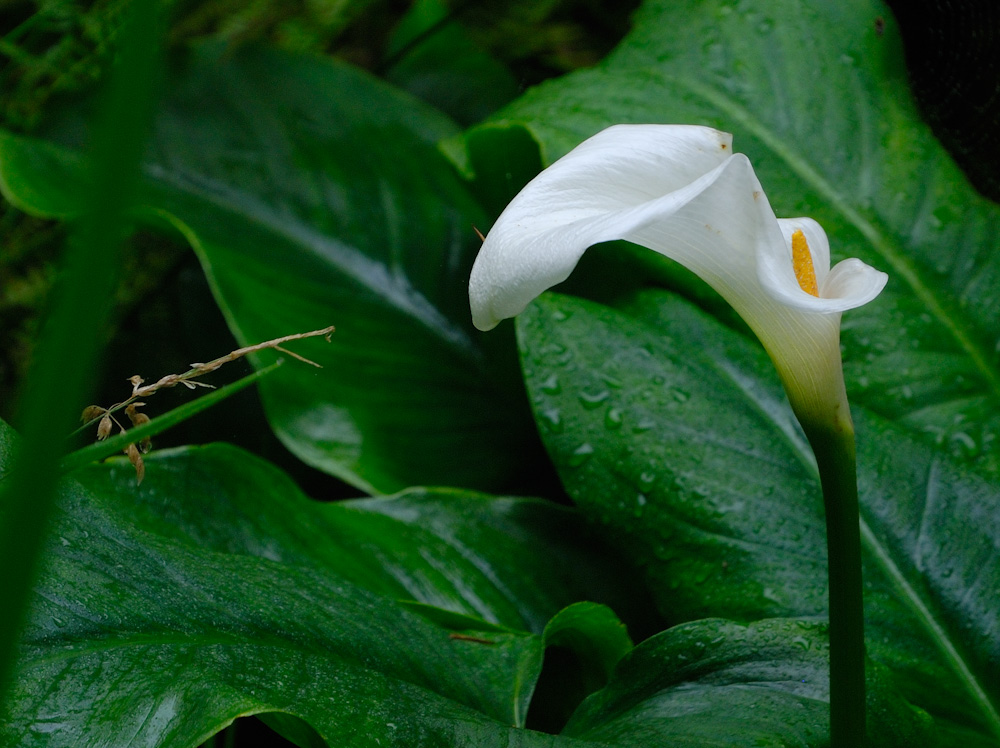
[551, 385]
[613, 419]
[580, 455]
[592, 400]
[552, 420]
[644, 425]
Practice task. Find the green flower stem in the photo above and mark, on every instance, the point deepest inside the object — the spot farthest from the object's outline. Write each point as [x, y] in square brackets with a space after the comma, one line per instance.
[833, 445]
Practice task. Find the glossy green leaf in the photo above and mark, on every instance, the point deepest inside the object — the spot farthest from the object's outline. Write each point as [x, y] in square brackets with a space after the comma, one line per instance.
[593, 631]
[144, 631]
[314, 195]
[184, 641]
[583, 644]
[163, 614]
[687, 453]
[718, 683]
[816, 95]
[510, 562]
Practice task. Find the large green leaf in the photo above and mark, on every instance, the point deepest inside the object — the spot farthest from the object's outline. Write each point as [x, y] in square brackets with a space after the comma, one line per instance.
[315, 195]
[163, 614]
[816, 94]
[137, 639]
[689, 456]
[421, 545]
[718, 683]
[224, 592]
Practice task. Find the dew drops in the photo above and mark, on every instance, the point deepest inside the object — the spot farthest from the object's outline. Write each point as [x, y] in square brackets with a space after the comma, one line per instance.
[771, 594]
[551, 419]
[580, 455]
[613, 419]
[647, 479]
[616, 384]
[564, 359]
[644, 425]
[551, 385]
[592, 400]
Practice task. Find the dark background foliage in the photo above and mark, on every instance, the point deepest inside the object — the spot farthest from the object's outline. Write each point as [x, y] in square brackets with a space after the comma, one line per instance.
[953, 55]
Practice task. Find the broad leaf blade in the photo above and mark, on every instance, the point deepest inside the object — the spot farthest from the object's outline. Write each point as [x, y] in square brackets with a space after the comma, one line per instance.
[933, 529]
[689, 457]
[314, 195]
[718, 683]
[141, 633]
[181, 641]
[139, 637]
[508, 561]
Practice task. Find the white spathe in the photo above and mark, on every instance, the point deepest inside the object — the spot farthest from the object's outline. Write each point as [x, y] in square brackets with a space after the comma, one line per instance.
[680, 191]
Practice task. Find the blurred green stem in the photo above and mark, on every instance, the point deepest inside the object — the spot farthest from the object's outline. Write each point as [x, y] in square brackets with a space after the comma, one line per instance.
[62, 372]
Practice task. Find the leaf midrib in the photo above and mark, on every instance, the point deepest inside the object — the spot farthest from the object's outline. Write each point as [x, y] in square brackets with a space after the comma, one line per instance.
[936, 631]
[403, 297]
[408, 300]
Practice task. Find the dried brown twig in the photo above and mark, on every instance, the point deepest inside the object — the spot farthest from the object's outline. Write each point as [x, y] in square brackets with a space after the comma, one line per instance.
[106, 420]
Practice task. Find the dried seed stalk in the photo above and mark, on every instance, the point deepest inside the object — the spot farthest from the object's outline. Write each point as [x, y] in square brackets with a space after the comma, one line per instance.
[105, 416]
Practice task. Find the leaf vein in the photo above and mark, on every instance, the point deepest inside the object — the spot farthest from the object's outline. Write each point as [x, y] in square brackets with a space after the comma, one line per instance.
[938, 635]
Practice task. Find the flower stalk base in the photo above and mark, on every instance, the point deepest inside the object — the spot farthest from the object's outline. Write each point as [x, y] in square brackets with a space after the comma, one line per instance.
[833, 445]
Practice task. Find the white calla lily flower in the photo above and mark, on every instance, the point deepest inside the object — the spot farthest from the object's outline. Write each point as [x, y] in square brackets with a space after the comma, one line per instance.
[680, 190]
